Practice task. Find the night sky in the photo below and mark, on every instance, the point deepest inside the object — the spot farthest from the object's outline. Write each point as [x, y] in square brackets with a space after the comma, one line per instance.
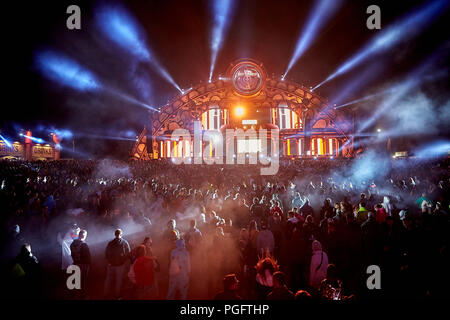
[178, 33]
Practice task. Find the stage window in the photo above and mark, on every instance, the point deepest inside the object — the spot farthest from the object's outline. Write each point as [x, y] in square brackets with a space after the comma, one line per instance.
[249, 146]
[211, 119]
[287, 119]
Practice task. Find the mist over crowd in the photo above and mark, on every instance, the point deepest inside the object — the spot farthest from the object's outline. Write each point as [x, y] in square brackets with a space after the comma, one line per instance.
[308, 201]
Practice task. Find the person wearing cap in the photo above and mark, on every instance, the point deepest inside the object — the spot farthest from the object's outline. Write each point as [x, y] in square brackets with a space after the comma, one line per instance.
[230, 288]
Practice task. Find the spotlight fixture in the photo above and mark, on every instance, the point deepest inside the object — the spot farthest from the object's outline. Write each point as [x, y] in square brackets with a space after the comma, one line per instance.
[239, 111]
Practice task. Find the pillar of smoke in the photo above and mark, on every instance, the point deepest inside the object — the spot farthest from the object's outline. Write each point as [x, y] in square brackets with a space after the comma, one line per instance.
[387, 38]
[122, 28]
[221, 21]
[318, 17]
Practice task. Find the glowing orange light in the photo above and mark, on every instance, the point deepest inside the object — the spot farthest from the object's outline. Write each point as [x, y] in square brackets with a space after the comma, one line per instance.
[239, 111]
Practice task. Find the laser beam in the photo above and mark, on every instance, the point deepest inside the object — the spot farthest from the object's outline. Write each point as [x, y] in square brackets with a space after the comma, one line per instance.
[320, 14]
[221, 20]
[406, 28]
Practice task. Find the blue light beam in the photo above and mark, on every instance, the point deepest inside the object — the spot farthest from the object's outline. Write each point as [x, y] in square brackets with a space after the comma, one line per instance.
[34, 139]
[434, 149]
[6, 141]
[408, 26]
[321, 13]
[65, 71]
[412, 80]
[222, 12]
[122, 28]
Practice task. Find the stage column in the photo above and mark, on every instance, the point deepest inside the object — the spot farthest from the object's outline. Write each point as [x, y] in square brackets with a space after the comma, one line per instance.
[28, 146]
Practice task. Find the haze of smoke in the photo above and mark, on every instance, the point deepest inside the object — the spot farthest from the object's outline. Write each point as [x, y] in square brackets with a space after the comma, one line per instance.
[418, 114]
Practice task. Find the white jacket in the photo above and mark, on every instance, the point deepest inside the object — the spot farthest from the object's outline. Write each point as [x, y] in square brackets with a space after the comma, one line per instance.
[316, 273]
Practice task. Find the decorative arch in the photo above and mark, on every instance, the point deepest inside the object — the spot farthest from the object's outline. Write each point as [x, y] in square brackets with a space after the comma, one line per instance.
[184, 109]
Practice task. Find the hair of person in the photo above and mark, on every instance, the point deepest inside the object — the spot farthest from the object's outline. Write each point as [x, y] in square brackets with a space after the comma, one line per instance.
[302, 295]
[26, 248]
[280, 277]
[141, 251]
[146, 239]
[82, 234]
[117, 233]
[229, 280]
[331, 270]
[267, 263]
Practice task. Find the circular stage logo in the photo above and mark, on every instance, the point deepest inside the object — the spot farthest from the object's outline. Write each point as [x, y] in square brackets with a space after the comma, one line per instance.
[247, 79]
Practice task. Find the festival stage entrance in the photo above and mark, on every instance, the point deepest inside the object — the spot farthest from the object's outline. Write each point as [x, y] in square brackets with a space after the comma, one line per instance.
[247, 98]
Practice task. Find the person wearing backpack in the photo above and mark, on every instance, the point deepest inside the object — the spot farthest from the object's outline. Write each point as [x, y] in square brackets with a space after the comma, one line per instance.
[117, 252]
[179, 271]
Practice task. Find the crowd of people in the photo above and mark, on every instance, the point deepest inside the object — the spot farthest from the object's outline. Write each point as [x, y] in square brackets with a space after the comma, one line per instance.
[156, 230]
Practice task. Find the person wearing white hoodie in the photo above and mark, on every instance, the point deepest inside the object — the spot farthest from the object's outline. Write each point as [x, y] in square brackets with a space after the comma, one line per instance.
[387, 205]
[318, 267]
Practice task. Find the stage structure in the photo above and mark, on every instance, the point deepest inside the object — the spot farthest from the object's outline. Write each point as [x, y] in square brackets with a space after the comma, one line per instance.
[246, 98]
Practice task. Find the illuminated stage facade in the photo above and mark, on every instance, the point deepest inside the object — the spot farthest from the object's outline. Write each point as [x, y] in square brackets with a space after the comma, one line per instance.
[246, 98]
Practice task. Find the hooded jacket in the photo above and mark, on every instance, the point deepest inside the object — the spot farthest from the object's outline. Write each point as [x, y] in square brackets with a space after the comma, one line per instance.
[319, 264]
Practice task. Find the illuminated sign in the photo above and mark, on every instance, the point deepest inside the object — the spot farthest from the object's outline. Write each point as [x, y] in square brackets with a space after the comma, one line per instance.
[16, 150]
[247, 78]
[249, 121]
[39, 151]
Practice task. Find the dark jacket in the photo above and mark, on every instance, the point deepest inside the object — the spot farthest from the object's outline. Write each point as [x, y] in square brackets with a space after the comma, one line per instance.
[117, 252]
[80, 252]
